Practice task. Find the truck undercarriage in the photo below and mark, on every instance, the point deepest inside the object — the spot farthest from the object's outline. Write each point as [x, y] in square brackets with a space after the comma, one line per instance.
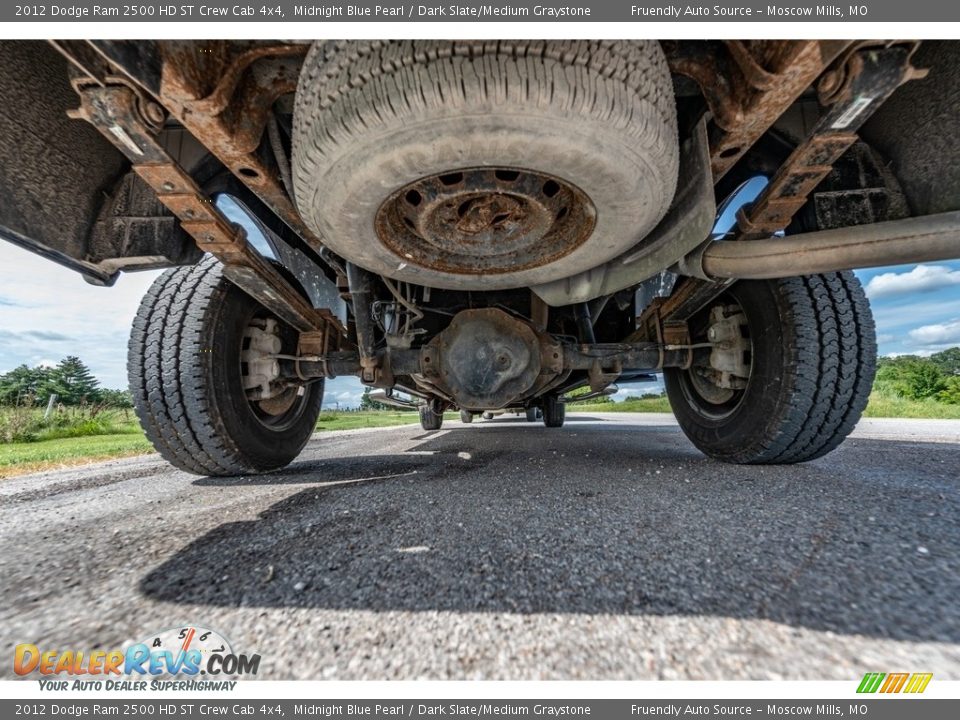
[486, 225]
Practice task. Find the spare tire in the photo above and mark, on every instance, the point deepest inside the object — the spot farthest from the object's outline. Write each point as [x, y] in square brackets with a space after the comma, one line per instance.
[484, 164]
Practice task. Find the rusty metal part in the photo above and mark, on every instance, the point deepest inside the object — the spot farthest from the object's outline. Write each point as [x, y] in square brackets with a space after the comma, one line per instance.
[223, 93]
[361, 299]
[229, 82]
[601, 377]
[329, 365]
[485, 220]
[486, 359]
[872, 73]
[234, 114]
[624, 356]
[835, 83]
[320, 344]
[748, 85]
[117, 111]
[756, 76]
[557, 361]
[711, 67]
[790, 67]
[665, 320]
[653, 328]
[789, 189]
[872, 76]
[231, 118]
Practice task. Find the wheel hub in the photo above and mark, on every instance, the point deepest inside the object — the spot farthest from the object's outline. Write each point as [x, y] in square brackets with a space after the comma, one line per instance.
[730, 358]
[719, 380]
[485, 220]
[270, 399]
[259, 366]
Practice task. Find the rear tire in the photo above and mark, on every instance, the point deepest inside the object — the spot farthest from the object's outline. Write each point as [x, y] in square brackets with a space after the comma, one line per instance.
[812, 366]
[532, 414]
[430, 420]
[554, 411]
[184, 366]
[466, 417]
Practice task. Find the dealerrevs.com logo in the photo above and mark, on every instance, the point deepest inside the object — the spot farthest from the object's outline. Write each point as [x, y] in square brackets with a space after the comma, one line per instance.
[184, 658]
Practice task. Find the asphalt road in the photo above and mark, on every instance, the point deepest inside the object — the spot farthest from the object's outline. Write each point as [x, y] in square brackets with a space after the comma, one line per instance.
[609, 549]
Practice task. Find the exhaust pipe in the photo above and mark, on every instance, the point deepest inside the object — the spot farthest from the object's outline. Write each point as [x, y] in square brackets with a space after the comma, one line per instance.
[381, 396]
[605, 392]
[896, 242]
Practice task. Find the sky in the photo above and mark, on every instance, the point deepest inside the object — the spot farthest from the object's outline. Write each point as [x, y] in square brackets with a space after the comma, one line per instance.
[48, 312]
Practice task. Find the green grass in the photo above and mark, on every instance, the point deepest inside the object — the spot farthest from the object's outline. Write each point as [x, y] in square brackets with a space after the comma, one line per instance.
[892, 406]
[642, 405]
[25, 424]
[338, 420]
[83, 441]
[880, 405]
[20, 458]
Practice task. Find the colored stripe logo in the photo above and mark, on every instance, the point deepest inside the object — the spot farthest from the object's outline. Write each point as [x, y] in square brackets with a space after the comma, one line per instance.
[894, 682]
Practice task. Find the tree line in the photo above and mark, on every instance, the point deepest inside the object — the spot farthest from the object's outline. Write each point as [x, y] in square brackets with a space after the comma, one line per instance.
[70, 380]
[934, 378]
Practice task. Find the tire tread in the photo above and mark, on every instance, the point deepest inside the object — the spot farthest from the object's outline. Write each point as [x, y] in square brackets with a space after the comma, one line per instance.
[829, 361]
[834, 346]
[173, 394]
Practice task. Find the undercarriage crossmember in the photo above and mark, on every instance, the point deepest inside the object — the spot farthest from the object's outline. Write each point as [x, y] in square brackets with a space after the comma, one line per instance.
[487, 359]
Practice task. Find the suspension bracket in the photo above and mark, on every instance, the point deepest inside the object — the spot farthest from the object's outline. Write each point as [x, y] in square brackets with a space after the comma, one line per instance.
[130, 120]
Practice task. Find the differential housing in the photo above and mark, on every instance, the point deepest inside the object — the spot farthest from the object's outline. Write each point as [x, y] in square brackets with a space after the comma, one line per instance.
[487, 359]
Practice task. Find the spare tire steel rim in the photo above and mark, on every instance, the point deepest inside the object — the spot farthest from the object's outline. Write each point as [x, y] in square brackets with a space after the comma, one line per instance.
[480, 221]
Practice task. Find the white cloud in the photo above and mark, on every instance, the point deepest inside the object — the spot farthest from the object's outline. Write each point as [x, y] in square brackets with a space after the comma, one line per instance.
[923, 278]
[945, 333]
[342, 392]
[912, 353]
[637, 389]
[898, 316]
[49, 312]
[886, 337]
